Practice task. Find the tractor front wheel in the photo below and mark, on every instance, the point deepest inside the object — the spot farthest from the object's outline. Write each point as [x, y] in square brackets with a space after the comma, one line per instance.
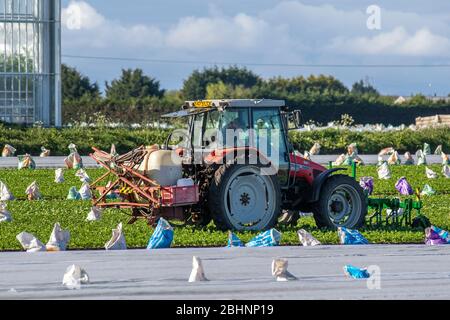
[242, 198]
[342, 203]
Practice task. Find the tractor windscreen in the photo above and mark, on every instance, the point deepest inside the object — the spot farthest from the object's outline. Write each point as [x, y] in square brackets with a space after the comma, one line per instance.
[228, 128]
[239, 127]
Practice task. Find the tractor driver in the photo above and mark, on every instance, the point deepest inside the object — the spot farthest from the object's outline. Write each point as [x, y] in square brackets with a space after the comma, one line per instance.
[238, 131]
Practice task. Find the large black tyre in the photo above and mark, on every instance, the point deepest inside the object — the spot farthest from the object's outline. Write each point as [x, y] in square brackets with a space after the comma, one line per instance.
[342, 203]
[241, 198]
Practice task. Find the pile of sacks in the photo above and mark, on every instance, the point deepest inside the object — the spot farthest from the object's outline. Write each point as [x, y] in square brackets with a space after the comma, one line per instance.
[58, 241]
[25, 161]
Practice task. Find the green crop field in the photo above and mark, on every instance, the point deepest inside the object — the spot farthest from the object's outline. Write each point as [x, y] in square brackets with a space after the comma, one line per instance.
[38, 217]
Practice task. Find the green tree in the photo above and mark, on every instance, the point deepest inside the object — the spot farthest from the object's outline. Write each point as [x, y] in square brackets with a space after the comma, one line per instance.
[221, 90]
[195, 86]
[323, 83]
[75, 86]
[360, 88]
[133, 84]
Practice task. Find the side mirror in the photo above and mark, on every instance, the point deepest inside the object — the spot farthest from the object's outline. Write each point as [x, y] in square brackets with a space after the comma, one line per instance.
[298, 118]
[295, 119]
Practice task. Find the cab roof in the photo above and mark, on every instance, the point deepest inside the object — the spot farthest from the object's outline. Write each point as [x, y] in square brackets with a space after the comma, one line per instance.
[234, 103]
[190, 108]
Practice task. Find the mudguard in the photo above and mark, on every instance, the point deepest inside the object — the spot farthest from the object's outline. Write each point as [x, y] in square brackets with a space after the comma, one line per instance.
[319, 181]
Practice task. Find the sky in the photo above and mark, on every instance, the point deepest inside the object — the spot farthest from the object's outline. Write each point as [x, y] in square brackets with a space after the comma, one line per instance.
[272, 38]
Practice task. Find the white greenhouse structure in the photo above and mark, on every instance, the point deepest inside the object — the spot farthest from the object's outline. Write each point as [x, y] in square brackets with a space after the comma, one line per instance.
[30, 62]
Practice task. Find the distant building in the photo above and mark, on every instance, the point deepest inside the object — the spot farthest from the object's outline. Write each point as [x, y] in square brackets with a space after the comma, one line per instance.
[30, 61]
[401, 99]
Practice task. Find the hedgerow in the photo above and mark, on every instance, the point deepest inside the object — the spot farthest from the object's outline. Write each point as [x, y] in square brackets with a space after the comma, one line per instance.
[333, 141]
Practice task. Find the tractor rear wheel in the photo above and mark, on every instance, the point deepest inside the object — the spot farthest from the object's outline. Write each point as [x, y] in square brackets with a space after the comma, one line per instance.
[342, 203]
[241, 198]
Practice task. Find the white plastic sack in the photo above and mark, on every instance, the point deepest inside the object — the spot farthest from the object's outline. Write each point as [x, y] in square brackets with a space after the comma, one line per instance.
[307, 155]
[391, 213]
[446, 171]
[26, 162]
[384, 172]
[84, 178]
[409, 160]
[74, 277]
[8, 151]
[85, 192]
[59, 176]
[29, 242]
[427, 190]
[73, 160]
[44, 152]
[438, 150]
[426, 149]
[421, 158]
[380, 160]
[113, 151]
[386, 151]
[315, 150]
[5, 215]
[117, 241]
[445, 159]
[430, 173]
[59, 239]
[279, 270]
[5, 194]
[394, 159]
[306, 239]
[340, 160]
[33, 191]
[197, 273]
[352, 148]
[95, 214]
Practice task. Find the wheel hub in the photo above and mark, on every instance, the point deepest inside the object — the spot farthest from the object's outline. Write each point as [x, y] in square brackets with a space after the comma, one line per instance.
[245, 199]
[339, 206]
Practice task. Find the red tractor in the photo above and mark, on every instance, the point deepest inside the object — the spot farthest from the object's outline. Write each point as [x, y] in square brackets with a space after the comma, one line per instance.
[234, 164]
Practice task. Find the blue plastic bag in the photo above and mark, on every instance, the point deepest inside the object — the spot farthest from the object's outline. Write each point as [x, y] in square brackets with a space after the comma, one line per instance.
[348, 236]
[355, 272]
[269, 238]
[234, 241]
[162, 236]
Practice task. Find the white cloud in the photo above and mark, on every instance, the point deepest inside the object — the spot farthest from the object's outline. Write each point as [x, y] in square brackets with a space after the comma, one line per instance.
[396, 42]
[287, 32]
[240, 31]
[79, 15]
[85, 27]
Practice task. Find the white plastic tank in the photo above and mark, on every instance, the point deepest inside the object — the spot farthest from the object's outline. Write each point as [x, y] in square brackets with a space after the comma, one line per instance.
[163, 166]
